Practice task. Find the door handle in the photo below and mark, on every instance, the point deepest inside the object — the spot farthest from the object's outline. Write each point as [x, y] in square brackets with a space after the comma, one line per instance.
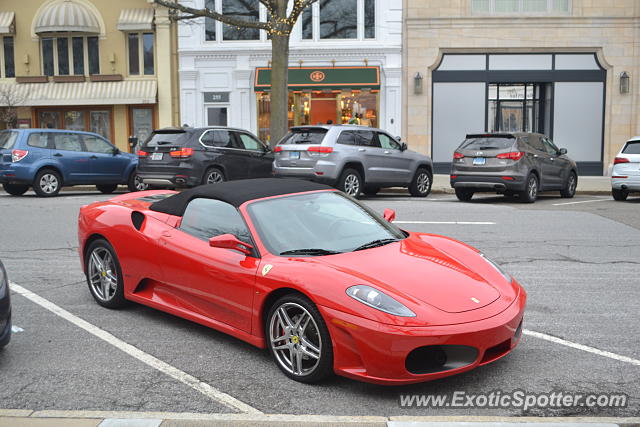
[57, 155]
[166, 234]
[93, 157]
[362, 150]
[535, 156]
[552, 159]
[387, 152]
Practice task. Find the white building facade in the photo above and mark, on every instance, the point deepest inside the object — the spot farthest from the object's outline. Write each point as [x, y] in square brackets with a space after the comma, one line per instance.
[345, 65]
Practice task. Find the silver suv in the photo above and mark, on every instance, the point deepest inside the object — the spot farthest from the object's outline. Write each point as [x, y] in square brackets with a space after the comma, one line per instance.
[354, 159]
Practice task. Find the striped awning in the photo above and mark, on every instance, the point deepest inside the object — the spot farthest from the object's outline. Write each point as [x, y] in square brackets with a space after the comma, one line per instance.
[67, 16]
[7, 22]
[87, 93]
[135, 19]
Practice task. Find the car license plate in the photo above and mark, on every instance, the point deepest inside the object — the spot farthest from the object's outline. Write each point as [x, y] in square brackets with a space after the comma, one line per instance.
[294, 155]
[478, 161]
[156, 156]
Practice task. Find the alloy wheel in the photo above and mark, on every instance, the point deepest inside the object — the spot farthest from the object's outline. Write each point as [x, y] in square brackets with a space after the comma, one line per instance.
[139, 183]
[295, 339]
[572, 184]
[49, 183]
[423, 182]
[103, 275]
[532, 188]
[352, 185]
[214, 177]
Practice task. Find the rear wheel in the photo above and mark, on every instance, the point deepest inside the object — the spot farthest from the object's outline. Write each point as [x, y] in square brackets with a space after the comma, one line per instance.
[421, 184]
[47, 183]
[104, 275]
[570, 185]
[213, 176]
[107, 188]
[350, 182]
[619, 195]
[15, 189]
[463, 194]
[135, 183]
[299, 340]
[530, 193]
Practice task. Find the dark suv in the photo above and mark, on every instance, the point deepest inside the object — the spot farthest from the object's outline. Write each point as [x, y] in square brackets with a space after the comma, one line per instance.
[519, 164]
[186, 157]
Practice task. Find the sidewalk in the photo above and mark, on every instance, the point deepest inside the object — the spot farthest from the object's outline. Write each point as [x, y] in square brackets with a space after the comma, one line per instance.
[27, 418]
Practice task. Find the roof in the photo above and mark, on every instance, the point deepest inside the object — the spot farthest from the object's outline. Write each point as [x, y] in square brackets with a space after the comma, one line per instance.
[235, 192]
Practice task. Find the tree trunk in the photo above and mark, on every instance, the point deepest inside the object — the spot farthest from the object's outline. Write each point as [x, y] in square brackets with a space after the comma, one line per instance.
[279, 88]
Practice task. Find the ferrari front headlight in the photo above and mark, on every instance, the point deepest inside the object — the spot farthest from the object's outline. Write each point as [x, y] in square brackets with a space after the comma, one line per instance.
[506, 275]
[378, 300]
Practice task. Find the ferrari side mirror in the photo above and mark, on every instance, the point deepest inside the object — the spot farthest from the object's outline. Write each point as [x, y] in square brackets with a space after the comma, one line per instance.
[389, 215]
[229, 241]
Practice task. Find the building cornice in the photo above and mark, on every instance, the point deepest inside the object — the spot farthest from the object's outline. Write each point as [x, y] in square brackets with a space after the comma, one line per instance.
[509, 21]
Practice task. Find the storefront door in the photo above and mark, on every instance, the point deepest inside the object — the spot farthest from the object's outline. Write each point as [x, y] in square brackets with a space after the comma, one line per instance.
[141, 123]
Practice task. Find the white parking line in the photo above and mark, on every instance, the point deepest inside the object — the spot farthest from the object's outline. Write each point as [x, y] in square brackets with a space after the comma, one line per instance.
[582, 347]
[583, 201]
[446, 222]
[193, 382]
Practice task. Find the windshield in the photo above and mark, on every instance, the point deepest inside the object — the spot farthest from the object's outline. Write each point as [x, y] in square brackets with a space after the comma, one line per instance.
[487, 143]
[322, 223]
[7, 139]
[172, 139]
[305, 136]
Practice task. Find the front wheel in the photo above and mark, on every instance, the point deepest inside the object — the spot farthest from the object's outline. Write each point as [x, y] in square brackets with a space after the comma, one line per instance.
[15, 189]
[299, 340]
[104, 275]
[463, 194]
[47, 183]
[350, 182]
[570, 185]
[136, 183]
[107, 188]
[213, 176]
[619, 195]
[421, 184]
[530, 193]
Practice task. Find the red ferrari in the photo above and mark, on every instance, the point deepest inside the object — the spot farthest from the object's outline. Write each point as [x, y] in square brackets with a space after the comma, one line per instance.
[318, 278]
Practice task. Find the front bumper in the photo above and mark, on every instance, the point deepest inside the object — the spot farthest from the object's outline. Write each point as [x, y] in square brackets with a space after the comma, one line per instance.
[377, 353]
[488, 183]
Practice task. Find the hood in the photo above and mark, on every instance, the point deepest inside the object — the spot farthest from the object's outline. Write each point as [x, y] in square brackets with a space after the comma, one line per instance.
[417, 271]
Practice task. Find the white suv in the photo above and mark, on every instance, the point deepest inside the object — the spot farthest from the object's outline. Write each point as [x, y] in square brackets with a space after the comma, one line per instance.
[625, 176]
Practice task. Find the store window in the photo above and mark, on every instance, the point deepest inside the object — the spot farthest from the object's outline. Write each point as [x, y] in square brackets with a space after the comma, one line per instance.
[515, 108]
[210, 24]
[91, 119]
[63, 56]
[141, 54]
[7, 58]
[520, 6]
[247, 10]
[338, 19]
[307, 23]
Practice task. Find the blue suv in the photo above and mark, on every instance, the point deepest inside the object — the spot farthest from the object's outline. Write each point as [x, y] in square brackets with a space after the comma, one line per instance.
[49, 159]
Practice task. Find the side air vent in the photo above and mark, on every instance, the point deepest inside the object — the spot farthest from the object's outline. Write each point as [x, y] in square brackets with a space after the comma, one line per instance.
[137, 219]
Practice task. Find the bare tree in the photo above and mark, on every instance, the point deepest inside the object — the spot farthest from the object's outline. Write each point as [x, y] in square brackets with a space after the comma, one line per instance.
[10, 98]
[278, 26]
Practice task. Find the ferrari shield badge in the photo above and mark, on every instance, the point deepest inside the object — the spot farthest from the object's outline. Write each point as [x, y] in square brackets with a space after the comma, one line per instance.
[266, 269]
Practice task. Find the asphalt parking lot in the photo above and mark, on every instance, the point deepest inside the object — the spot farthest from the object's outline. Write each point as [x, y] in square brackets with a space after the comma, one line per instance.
[579, 260]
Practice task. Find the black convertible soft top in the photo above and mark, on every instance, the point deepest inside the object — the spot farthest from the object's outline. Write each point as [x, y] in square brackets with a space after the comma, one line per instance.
[235, 192]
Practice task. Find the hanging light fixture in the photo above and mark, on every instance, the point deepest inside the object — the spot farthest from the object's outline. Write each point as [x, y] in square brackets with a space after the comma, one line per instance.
[417, 84]
[624, 82]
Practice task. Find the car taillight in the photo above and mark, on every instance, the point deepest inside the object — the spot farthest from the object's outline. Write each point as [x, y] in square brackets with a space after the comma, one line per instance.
[514, 155]
[17, 155]
[457, 155]
[507, 178]
[182, 153]
[277, 149]
[320, 149]
[142, 153]
[615, 161]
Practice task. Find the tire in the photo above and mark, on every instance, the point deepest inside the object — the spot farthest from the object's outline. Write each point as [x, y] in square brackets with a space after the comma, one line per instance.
[530, 193]
[569, 189]
[463, 194]
[15, 189]
[101, 278]
[421, 184]
[619, 195]
[213, 176]
[107, 188]
[350, 182]
[47, 183]
[135, 183]
[371, 191]
[312, 342]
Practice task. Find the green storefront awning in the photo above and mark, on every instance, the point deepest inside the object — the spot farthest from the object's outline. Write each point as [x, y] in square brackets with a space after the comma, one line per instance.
[323, 78]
